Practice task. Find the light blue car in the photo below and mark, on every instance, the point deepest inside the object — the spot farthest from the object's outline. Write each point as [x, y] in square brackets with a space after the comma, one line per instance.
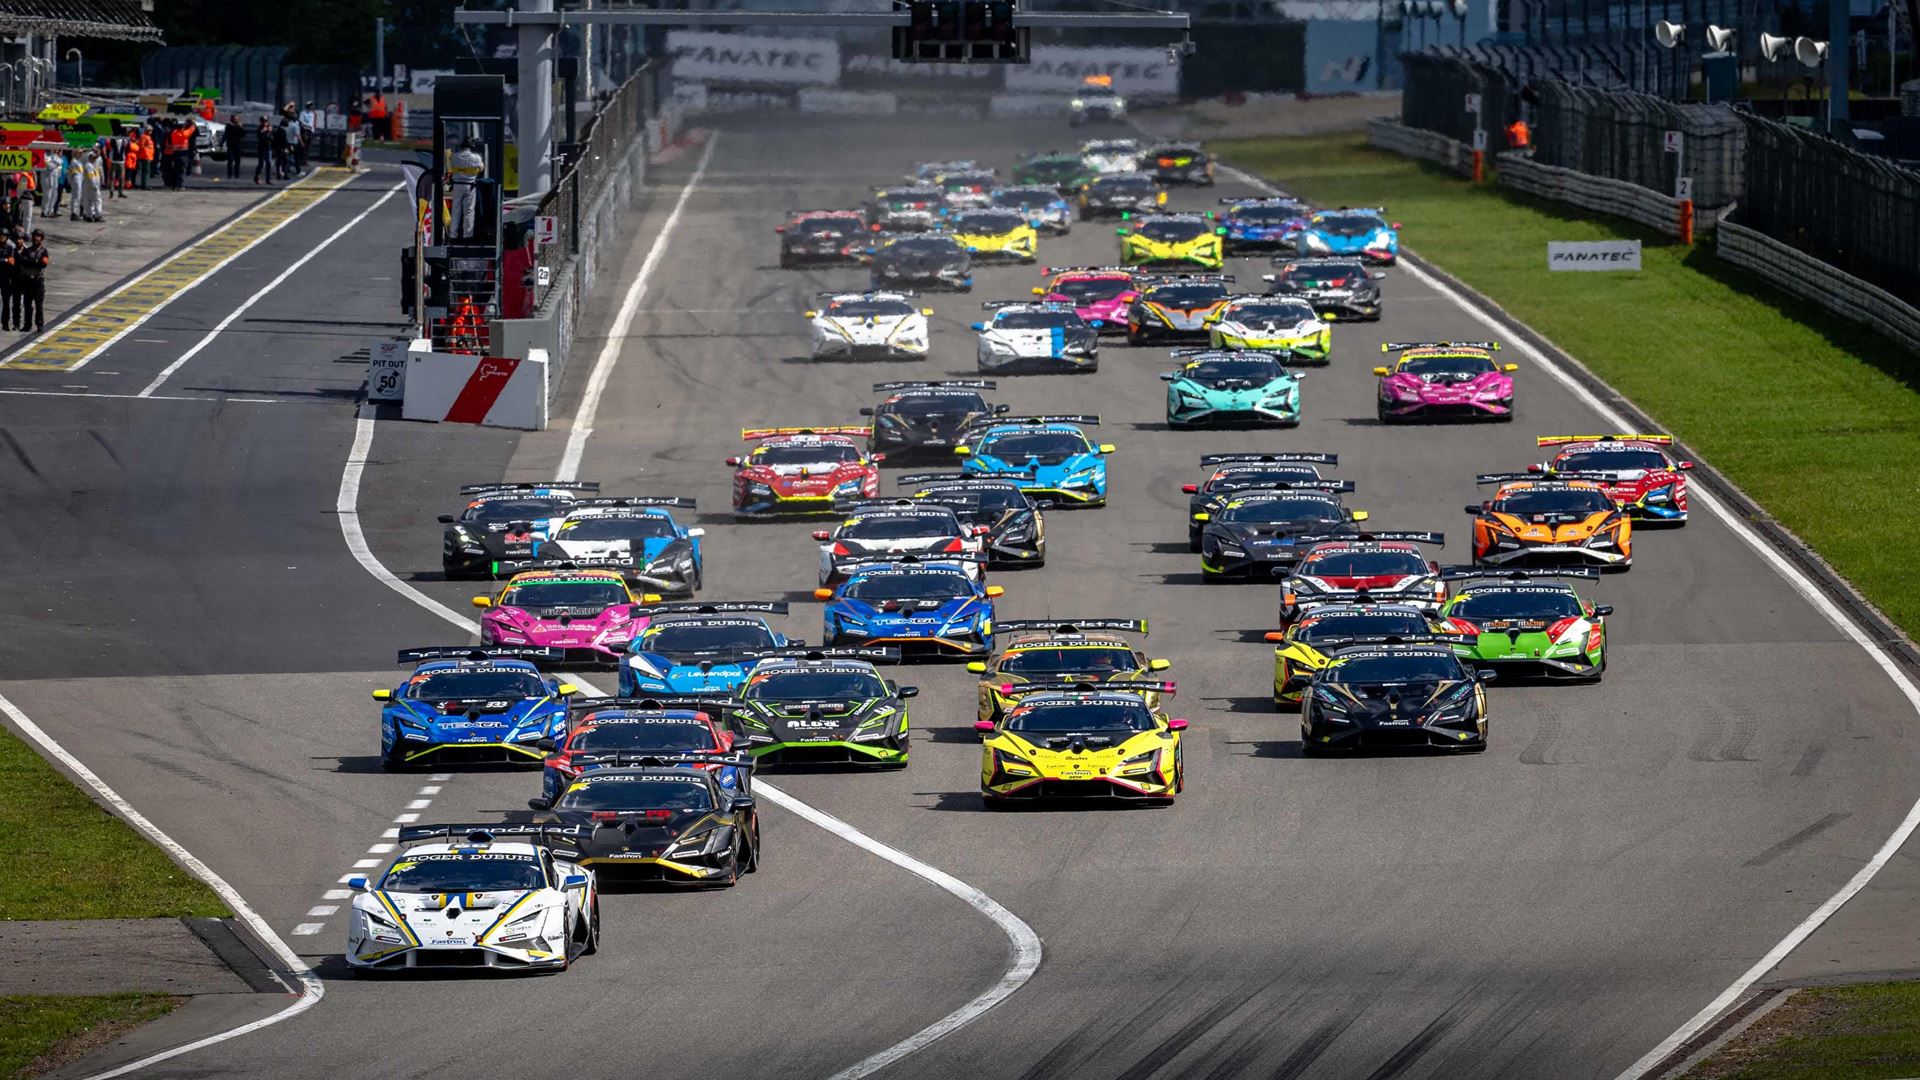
[1057, 459]
[1216, 386]
[1352, 231]
[695, 648]
[1043, 206]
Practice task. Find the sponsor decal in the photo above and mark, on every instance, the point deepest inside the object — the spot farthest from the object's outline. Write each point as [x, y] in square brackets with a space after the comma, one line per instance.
[705, 56]
[1593, 255]
[1137, 72]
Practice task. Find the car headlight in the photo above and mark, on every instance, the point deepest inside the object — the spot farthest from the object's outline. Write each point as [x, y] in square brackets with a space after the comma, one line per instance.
[1661, 494]
[1314, 242]
[1008, 763]
[506, 635]
[382, 929]
[1381, 239]
[707, 843]
[1228, 547]
[755, 488]
[1490, 395]
[1329, 702]
[522, 928]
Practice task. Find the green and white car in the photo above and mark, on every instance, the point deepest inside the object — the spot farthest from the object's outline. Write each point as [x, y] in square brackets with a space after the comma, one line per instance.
[819, 706]
[1524, 622]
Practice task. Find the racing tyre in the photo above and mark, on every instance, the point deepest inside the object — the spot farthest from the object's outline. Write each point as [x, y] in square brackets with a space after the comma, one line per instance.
[1135, 339]
[592, 944]
[1193, 541]
[1381, 412]
[390, 759]
[995, 803]
[1311, 749]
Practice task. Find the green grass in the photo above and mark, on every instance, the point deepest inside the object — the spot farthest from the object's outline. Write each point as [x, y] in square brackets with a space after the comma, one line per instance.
[1838, 1033]
[39, 1033]
[69, 859]
[1816, 419]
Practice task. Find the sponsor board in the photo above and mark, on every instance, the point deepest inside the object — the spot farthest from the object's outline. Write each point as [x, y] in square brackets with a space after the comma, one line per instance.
[1136, 72]
[1340, 56]
[877, 70]
[424, 78]
[696, 97]
[387, 371]
[851, 102]
[1593, 255]
[704, 56]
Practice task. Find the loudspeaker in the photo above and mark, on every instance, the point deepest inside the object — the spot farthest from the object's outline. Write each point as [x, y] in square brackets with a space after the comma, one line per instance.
[1669, 34]
[1773, 46]
[1719, 38]
[1459, 9]
[1810, 52]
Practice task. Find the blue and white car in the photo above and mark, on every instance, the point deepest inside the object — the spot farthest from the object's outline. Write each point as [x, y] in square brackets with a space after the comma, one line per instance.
[1042, 205]
[695, 648]
[1262, 224]
[1352, 231]
[472, 703]
[1050, 455]
[1037, 337]
[638, 536]
[931, 607]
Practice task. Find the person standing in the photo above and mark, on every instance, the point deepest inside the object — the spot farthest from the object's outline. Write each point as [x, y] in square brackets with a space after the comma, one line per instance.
[263, 149]
[56, 183]
[147, 152]
[236, 140]
[179, 148]
[92, 183]
[131, 166]
[282, 163]
[377, 115]
[467, 165]
[309, 123]
[31, 285]
[76, 179]
[9, 250]
[29, 190]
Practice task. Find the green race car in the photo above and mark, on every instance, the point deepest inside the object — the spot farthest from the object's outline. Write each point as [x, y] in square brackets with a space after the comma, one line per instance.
[1064, 172]
[823, 706]
[1219, 386]
[1518, 620]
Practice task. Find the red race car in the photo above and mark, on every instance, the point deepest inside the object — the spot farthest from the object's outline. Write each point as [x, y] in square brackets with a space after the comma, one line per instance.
[1371, 568]
[626, 732]
[803, 470]
[1637, 471]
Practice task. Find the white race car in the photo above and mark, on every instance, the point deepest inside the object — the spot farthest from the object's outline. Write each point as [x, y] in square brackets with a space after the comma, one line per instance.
[471, 900]
[1096, 104]
[869, 325]
[1105, 156]
[928, 171]
[877, 532]
[1273, 323]
[1040, 337]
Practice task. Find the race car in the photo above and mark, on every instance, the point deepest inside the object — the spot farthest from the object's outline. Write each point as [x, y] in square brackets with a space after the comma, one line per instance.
[966, 189]
[1568, 519]
[1273, 324]
[927, 172]
[1016, 532]
[636, 535]
[802, 470]
[1262, 224]
[921, 607]
[1238, 472]
[1043, 207]
[821, 236]
[1096, 100]
[1524, 621]
[905, 209]
[989, 234]
[699, 648]
[1171, 240]
[1105, 156]
[1215, 386]
[1303, 648]
[1440, 379]
[824, 705]
[869, 326]
[1264, 531]
[1100, 295]
[1114, 194]
[1086, 740]
[1050, 455]
[1062, 651]
[1637, 471]
[1060, 170]
[660, 824]
[471, 704]
[1177, 307]
[495, 897]
[563, 604]
[1037, 338]
[1372, 567]
[922, 260]
[1179, 163]
[503, 521]
[926, 416]
[1338, 287]
[885, 530]
[1351, 231]
[1395, 692]
[602, 733]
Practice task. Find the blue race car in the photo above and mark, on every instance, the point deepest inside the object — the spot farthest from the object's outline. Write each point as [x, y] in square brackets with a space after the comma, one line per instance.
[1351, 231]
[1041, 204]
[1059, 461]
[1243, 386]
[931, 607]
[472, 703]
[1262, 224]
[651, 550]
[695, 648]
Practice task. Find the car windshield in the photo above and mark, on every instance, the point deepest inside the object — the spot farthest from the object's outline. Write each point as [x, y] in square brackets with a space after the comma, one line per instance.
[638, 527]
[1611, 460]
[1254, 477]
[1324, 276]
[692, 637]
[1124, 186]
[1035, 320]
[900, 528]
[1526, 603]
[1569, 500]
[500, 511]
[955, 182]
[452, 872]
[1363, 564]
[816, 685]
[1091, 716]
[1397, 667]
[925, 245]
[915, 585]
[1349, 224]
[1173, 229]
[991, 224]
[870, 309]
[666, 735]
[1085, 290]
[1235, 369]
[1264, 215]
[1054, 168]
[638, 793]
[1303, 508]
[825, 455]
[1020, 445]
[469, 685]
[1368, 624]
[549, 594]
[935, 404]
[1198, 294]
[1424, 366]
[1084, 660]
[907, 198]
[825, 226]
[1025, 198]
[1269, 311]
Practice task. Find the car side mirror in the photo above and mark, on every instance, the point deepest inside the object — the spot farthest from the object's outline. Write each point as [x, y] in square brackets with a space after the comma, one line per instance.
[1509, 367]
[1159, 664]
[1601, 611]
[1486, 674]
[1535, 467]
[383, 695]
[696, 531]
[962, 451]
[982, 530]
[822, 534]
[1176, 724]
[811, 314]
[1002, 410]
[908, 691]
[1275, 635]
[566, 689]
[574, 881]
[357, 883]
[1190, 489]
[546, 744]
[1038, 291]
[976, 327]
[1119, 232]
[1359, 515]
[1329, 316]
[483, 601]
[823, 594]
[1473, 509]
[1269, 277]
[1168, 376]
[927, 311]
[1379, 275]
[1683, 464]
[1107, 448]
[1220, 231]
[734, 461]
[446, 519]
[984, 727]
[1393, 225]
[742, 804]
[995, 592]
[1382, 372]
[978, 667]
[1203, 516]
[539, 802]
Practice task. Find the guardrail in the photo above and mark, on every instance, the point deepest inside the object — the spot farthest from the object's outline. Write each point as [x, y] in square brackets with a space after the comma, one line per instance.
[1601, 194]
[1395, 137]
[1795, 271]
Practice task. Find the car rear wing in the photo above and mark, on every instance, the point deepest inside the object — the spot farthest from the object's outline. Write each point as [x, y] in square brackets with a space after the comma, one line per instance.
[630, 759]
[1393, 639]
[1338, 487]
[421, 654]
[718, 607]
[836, 652]
[1510, 477]
[1261, 200]
[1182, 277]
[530, 485]
[929, 384]
[1284, 261]
[959, 477]
[1089, 419]
[1439, 539]
[1483, 573]
[1085, 686]
[847, 506]
[1403, 346]
[648, 703]
[686, 501]
[1050, 271]
[596, 563]
[1037, 305]
[1562, 440]
[1068, 626]
[489, 832]
[909, 560]
[756, 434]
[1248, 459]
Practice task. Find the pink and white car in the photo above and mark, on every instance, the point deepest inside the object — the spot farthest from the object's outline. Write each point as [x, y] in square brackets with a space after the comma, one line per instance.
[588, 612]
[1101, 295]
[1438, 380]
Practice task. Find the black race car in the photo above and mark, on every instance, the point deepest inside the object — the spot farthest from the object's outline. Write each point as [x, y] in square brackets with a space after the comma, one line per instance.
[824, 706]
[1341, 285]
[924, 260]
[504, 522]
[1121, 193]
[821, 236]
[1239, 472]
[926, 416]
[658, 824]
[1179, 163]
[1395, 692]
[1176, 307]
[1016, 531]
[1264, 531]
[905, 209]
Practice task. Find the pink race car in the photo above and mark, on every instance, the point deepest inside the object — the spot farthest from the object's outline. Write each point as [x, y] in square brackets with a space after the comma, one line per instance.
[1445, 379]
[1100, 294]
[589, 613]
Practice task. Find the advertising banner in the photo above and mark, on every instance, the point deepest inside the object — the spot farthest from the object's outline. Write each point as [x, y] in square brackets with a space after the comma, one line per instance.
[1340, 56]
[708, 57]
[1593, 254]
[1143, 73]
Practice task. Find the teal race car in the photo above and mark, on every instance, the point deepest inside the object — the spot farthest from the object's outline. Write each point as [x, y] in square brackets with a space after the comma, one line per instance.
[1231, 386]
[1524, 622]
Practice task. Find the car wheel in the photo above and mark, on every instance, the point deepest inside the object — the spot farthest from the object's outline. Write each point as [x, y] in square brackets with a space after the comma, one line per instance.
[1381, 412]
[995, 803]
[593, 931]
[1179, 772]
[1135, 339]
[1311, 749]
[391, 759]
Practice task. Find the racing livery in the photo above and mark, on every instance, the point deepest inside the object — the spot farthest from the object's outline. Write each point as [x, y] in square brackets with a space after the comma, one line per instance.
[802, 470]
[921, 260]
[1273, 324]
[1338, 287]
[1016, 532]
[1262, 224]
[927, 172]
[699, 648]
[1238, 472]
[1171, 240]
[995, 234]
[1567, 519]
[904, 209]
[1104, 156]
[870, 325]
[821, 236]
[881, 531]
[1442, 379]
[1263, 531]
[1042, 206]
[637, 535]
[1062, 651]
[1214, 386]
[1370, 568]
[503, 521]
[1179, 163]
[1100, 295]
[1522, 620]
[562, 604]
[1178, 307]
[614, 732]
[933, 607]
[1053, 458]
[1351, 231]
[1116, 194]
[1063, 171]
[471, 704]
[1395, 692]
[668, 825]
[926, 416]
[1023, 337]
[1637, 471]
[966, 189]
[1304, 647]
[824, 705]
[1086, 740]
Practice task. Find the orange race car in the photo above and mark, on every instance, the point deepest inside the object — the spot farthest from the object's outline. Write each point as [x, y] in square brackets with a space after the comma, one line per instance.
[1568, 519]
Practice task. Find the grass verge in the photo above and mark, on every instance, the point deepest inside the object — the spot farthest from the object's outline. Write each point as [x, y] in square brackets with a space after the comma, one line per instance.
[1832, 1033]
[73, 860]
[39, 1034]
[1816, 419]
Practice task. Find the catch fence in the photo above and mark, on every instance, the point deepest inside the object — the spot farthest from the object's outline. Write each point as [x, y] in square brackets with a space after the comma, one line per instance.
[604, 149]
[1626, 135]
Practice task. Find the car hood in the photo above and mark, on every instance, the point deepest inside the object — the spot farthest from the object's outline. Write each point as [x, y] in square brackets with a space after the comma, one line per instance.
[1545, 529]
[1044, 342]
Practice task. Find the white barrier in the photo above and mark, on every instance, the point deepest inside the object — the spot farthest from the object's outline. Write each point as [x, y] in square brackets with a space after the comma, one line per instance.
[1005, 106]
[493, 391]
[1395, 137]
[847, 102]
[1810, 279]
[1599, 193]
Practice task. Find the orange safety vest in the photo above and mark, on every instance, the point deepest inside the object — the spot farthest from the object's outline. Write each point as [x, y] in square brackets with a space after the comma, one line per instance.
[377, 108]
[146, 146]
[1518, 134]
[179, 139]
[28, 183]
[206, 108]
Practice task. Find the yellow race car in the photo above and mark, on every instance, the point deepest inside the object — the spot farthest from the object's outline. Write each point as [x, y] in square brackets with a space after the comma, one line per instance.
[1172, 240]
[991, 234]
[1055, 651]
[1088, 740]
[1301, 650]
[1271, 323]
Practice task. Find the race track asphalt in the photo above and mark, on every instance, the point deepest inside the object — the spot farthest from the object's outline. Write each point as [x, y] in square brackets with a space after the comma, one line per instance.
[191, 623]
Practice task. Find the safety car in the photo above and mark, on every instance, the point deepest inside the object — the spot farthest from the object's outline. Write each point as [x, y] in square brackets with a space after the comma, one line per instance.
[1528, 622]
[636, 535]
[821, 236]
[699, 648]
[1016, 530]
[657, 825]
[884, 530]
[503, 521]
[1049, 454]
[1100, 295]
[905, 209]
[1307, 643]
[1176, 307]
[802, 470]
[1171, 240]
[1396, 692]
[1105, 156]
[1444, 379]
[686, 732]
[1240, 471]
[1086, 740]
[932, 260]
[1096, 100]
[1351, 231]
[566, 604]
[1036, 338]
[1062, 651]
[1044, 208]
[1262, 224]
[1566, 519]
[870, 325]
[1275, 324]
[1371, 567]
[926, 416]
[1064, 171]
[991, 234]
[1338, 286]
[1113, 194]
[464, 703]
[921, 607]
[1264, 531]
[822, 706]
[1637, 471]
[1241, 386]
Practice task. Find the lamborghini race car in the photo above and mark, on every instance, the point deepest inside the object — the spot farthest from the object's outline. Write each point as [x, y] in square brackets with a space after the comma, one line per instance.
[926, 172]
[1264, 531]
[502, 521]
[1383, 567]
[1100, 295]
[1096, 100]
[606, 733]
[1053, 458]
[1444, 379]
[1016, 532]
[919, 607]
[904, 209]
[821, 236]
[1171, 240]
[699, 648]
[1341, 287]
[1522, 620]
[966, 189]
[1275, 324]
[1039, 338]
[1042, 206]
[1103, 157]
[1062, 171]
[1238, 472]
[798, 470]
[1303, 648]
[498, 897]
[1062, 651]
[1176, 307]
[1564, 520]
[667, 825]
[1637, 471]
[1262, 224]
[869, 326]
[1351, 231]
[1115, 194]
[465, 703]
[652, 550]
[1090, 740]
[921, 260]
[882, 530]
[1179, 163]
[1214, 386]
[1396, 693]
[588, 612]
[824, 705]
[991, 234]
[926, 416]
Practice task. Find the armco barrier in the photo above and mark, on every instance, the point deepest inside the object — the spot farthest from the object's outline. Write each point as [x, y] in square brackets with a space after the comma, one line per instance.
[1395, 137]
[1597, 193]
[1810, 279]
[496, 391]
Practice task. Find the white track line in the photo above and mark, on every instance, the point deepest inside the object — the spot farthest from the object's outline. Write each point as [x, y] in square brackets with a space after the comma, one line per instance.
[167, 372]
[1803, 585]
